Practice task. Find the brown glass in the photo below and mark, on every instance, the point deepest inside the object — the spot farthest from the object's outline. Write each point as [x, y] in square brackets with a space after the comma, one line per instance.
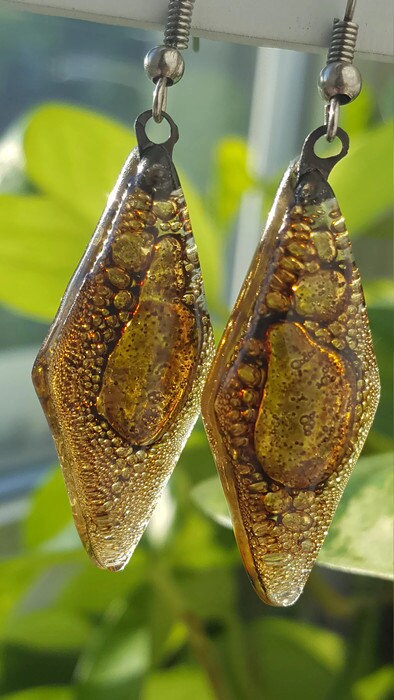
[293, 388]
[121, 372]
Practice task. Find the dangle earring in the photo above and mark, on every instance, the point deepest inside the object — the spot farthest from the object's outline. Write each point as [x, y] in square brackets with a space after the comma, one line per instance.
[121, 372]
[294, 386]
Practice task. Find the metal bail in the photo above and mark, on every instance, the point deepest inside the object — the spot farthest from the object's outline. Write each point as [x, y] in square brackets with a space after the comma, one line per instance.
[142, 138]
[309, 160]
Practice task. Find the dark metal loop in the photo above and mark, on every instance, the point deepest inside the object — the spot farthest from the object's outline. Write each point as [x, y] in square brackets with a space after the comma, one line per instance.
[142, 138]
[309, 160]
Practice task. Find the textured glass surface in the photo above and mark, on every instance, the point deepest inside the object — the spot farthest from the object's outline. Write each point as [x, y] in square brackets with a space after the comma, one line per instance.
[293, 389]
[121, 372]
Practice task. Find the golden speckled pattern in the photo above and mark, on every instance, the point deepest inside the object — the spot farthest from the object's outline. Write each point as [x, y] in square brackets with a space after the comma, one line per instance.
[292, 391]
[121, 373]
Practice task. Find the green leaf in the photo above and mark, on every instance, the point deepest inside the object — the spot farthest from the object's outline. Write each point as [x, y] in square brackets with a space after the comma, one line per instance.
[379, 293]
[363, 180]
[92, 590]
[376, 686]
[122, 659]
[380, 318]
[210, 602]
[378, 443]
[360, 539]
[20, 575]
[294, 660]
[75, 156]
[15, 577]
[196, 460]
[41, 245]
[231, 179]
[49, 513]
[379, 229]
[42, 693]
[209, 497]
[117, 658]
[52, 630]
[206, 550]
[177, 683]
[208, 244]
[358, 114]
[161, 624]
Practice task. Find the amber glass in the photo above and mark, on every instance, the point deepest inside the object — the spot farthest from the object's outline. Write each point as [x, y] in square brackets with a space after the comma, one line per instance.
[121, 373]
[293, 389]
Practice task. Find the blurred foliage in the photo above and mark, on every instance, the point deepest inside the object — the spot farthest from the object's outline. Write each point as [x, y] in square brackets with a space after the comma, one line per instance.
[181, 621]
[360, 538]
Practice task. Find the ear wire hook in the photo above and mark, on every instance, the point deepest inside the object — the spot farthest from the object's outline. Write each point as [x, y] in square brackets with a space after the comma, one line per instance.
[340, 81]
[349, 12]
[164, 64]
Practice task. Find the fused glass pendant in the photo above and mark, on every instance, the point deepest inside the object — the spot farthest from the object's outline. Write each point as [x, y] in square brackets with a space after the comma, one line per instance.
[121, 372]
[294, 386]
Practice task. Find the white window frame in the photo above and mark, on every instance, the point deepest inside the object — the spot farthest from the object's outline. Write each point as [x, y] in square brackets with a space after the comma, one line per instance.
[291, 24]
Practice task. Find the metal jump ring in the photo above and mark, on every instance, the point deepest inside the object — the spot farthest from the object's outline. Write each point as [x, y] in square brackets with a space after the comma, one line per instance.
[332, 118]
[159, 100]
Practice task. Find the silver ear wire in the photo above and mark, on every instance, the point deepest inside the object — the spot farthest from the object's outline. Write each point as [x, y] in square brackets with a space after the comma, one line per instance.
[340, 81]
[164, 64]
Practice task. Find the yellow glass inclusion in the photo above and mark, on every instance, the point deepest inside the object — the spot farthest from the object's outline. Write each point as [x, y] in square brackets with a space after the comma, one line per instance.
[292, 391]
[294, 420]
[141, 390]
[121, 373]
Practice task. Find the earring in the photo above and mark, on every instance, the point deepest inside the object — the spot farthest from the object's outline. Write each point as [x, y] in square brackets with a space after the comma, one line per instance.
[121, 372]
[294, 385]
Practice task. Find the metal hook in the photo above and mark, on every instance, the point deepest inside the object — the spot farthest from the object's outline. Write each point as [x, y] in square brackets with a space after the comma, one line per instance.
[159, 100]
[164, 64]
[332, 118]
[340, 82]
[349, 12]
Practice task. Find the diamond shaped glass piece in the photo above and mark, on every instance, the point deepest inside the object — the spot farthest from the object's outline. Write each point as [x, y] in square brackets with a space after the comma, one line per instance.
[121, 372]
[293, 388]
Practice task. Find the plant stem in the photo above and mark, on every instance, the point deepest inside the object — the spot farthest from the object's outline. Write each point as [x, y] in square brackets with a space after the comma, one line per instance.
[202, 646]
[242, 672]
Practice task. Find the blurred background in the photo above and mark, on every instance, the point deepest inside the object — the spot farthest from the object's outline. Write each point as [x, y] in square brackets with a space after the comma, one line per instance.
[182, 621]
